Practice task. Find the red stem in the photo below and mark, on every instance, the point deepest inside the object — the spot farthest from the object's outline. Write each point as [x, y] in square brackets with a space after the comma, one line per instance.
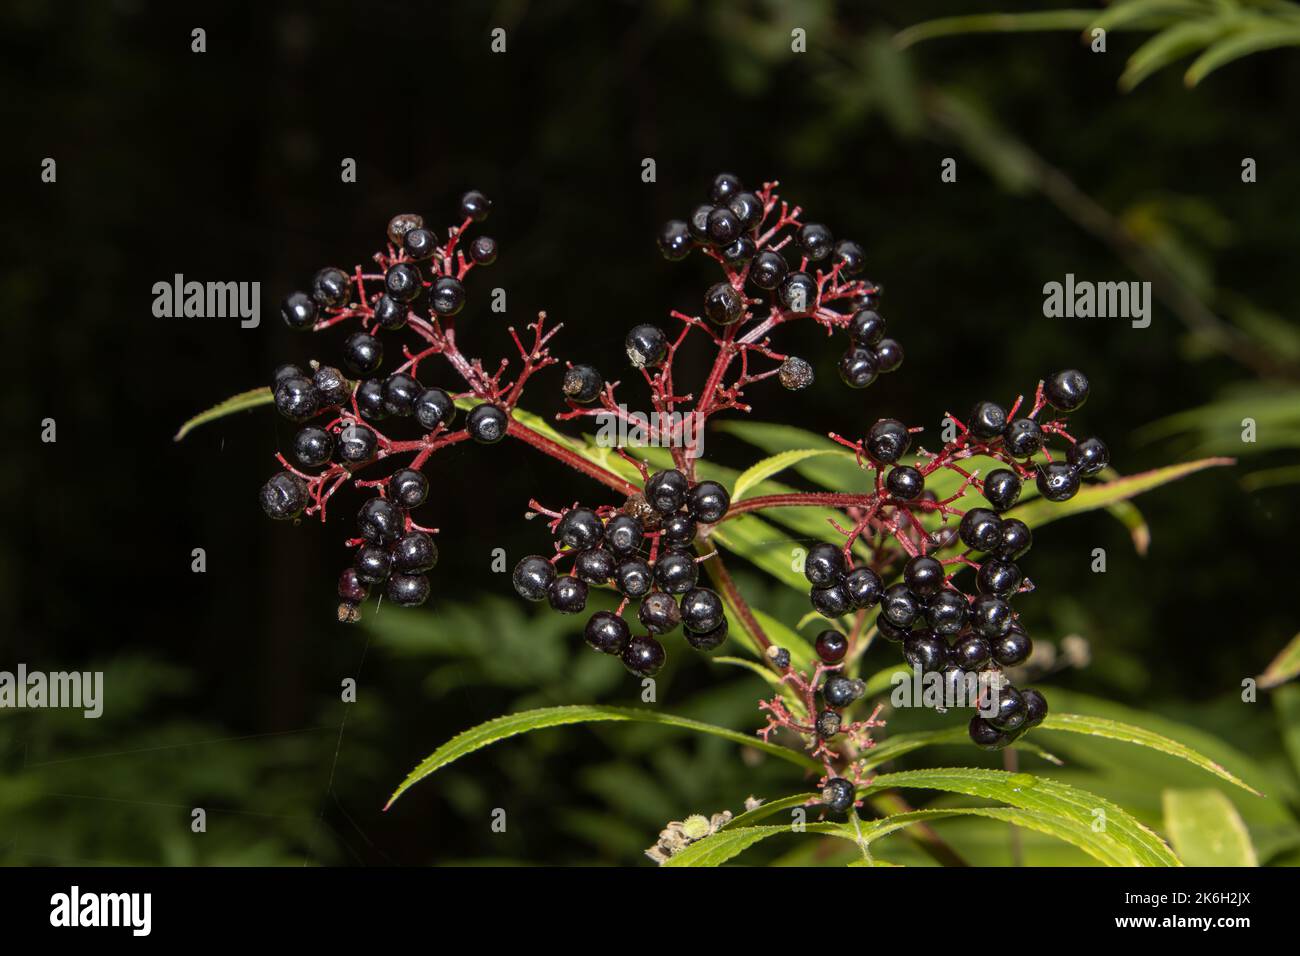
[557, 451]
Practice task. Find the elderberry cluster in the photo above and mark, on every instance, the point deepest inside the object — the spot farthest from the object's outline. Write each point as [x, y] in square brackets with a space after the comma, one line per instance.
[421, 283]
[941, 628]
[644, 551]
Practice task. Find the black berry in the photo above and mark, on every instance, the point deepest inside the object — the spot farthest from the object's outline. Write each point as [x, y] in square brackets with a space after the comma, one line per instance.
[646, 345]
[415, 552]
[725, 186]
[607, 633]
[850, 256]
[708, 501]
[624, 534]
[331, 288]
[1088, 456]
[998, 577]
[634, 577]
[483, 250]
[352, 590]
[296, 399]
[739, 252]
[400, 394]
[447, 295]
[838, 794]
[567, 594]
[972, 652]
[698, 224]
[748, 208]
[373, 563]
[408, 488]
[298, 311]
[888, 440]
[474, 205]
[863, 587]
[926, 652]
[313, 446]
[987, 420]
[678, 529]
[1002, 488]
[866, 328]
[839, 691]
[1035, 707]
[675, 240]
[582, 383]
[434, 407]
[284, 496]
[1013, 647]
[702, 610]
[595, 566]
[985, 736]
[579, 529]
[798, 293]
[380, 521]
[815, 241]
[1022, 438]
[900, 606]
[924, 575]
[723, 305]
[946, 612]
[1008, 709]
[533, 576]
[487, 424]
[1057, 481]
[980, 529]
[768, 269]
[858, 367]
[643, 656]
[362, 353]
[1016, 539]
[905, 483]
[1066, 391]
[889, 356]
[723, 226]
[831, 646]
[666, 490]
[419, 243]
[831, 601]
[676, 571]
[707, 640]
[357, 443]
[990, 616]
[407, 590]
[824, 564]
[370, 400]
[402, 282]
[659, 612]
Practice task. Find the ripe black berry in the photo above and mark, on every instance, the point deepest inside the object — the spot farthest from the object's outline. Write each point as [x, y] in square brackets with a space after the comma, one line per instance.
[643, 656]
[972, 652]
[313, 446]
[401, 224]
[357, 443]
[987, 420]
[798, 293]
[373, 563]
[285, 372]
[402, 282]
[707, 640]
[634, 577]
[889, 356]
[725, 186]
[678, 529]
[838, 794]
[284, 496]
[828, 724]
[708, 501]
[723, 305]
[850, 256]
[370, 400]
[332, 387]
[331, 288]
[990, 616]
[407, 590]
[434, 407]
[580, 528]
[890, 632]
[768, 269]
[739, 252]
[998, 577]
[675, 240]
[474, 205]
[723, 226]
[1008, 709]
[1013, 647]
[1066, 391]
[824, 564]
[924, 575]
[1088, 456]
[298, 311]
[863, 587]
[666, 490]
[1035, 707]
[831, 601]
[408, 488]
[795, 374]
[985, 736]
[1002, 488]
[926, 652]
[815, 241]
[415, 552]
[533, 576]
[595, 566]
[1057, 481]
[905, 483]
[1022, 438]
[646, 345]
[380, 521]
[296, 399]
[1016, 539]
[487, 424]
[698, 224]
[447, 295]
[419, 243]
[483, 250]
[701, 610]
[888, 440]
[607, 633]
[623, 534]
[899, 606]
[866, 328]
[400, 394]
[363, 354]
[748, 208]
[352, 589]
[582, 383]
[980, 529]
[839, 691]
[659, 612]
[946, 612]
[858, 367]
[831, 646]
[676, 572]
[567, 594]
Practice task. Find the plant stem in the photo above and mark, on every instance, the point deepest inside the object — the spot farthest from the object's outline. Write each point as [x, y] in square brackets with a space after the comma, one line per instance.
[718, 571]
[889, 803]
[832, 499]
[575, 461]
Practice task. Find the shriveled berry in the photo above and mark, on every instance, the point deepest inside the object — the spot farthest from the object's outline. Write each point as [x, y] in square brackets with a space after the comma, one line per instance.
[408, 487]
[607, 632]
[634, 577]
[567, 594]
[1015, 539]
[863, 587]
[723, 305]
[905, 483]
[998, 577]
[331, 287]
[702, 610]
[659, 612]
[284, 496]
[373, 563]
[1022, 438]
[623, 534]
[487, 424]
[824, 564]
[357, 443]
[990, 616]
[434, 407]
[447, 295]
[888, 440]
[838, 794]
[298, 310]
[532, 577]
[362, 353]
[828, 724]
[401, 224]
[1057, 481]
[582, 383]
[926, 652]
[768, 269]
[1088, 456]
[646, 345]
[407, 590]
[779, 656]
[643, 656]
[795, 374]
[1002, 488]
[415, 551]
[675, 240]
[708, 501]
[380, 521]
[332, 387]
[946, 612]
[980, 529]
[830, 601]
[924, 575]
[352, 589]
[313, 446]
[667, 490]
[1066, 391]
[831, 646]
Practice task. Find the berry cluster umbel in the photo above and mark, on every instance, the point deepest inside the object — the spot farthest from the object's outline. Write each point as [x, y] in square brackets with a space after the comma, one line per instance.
[643, 550]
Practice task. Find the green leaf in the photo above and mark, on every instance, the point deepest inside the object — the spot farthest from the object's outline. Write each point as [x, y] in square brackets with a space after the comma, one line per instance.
[1114, 730]
[1111, 834]
[511, 725]
[718, 848]
[1206, 829]
[1169, 45]
[1284, 667]
[768, 467]
[235, 403]
[1039, 511]
[1035, 22]
[1267, 35]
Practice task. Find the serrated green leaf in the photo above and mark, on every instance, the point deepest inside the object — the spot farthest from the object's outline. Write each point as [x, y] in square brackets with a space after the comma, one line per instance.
[511, 725]
[762, 470]
[1206, 829]
[1284, 667]
[242, 402]
[1264, 35]
[718, 848]
[1111, 832]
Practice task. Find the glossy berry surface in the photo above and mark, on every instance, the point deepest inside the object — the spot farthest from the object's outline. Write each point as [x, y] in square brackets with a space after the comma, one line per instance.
[863, 587]
[400, 394]
[1012, 648]
[474, 205]
[946, 612]
[532, 578]
[634, 577]
[407, 590]
[723, 305]
[659, 612]
[1088, 456]
[987, 420]
[595, 565]
[370, 400]
[1015, 539]
[624, 534]
[858, 367]
[331, 287]
[296, 398]
[402, 282]
[839, 691]
[666, 490]
[676, 571]
[926, 652]
[708, 501]
[380, 521]
[447, 295]
[567, 594]
[1001, 488]
[830, 601]
[707, 640]
[768, 269]
[408, 487]
[1057, 481]
[889, 355]
[972, 652]
[607, 632]
[487, 424]
[888, 440]
[831, 646]
[990, 616]
[357, 444]
[985, 736]
[678, 530]
[980, 529]
[701, 610]
[798, 293]
[866, 328]
[838, 794]
[434, 407]
[580, 528]
[298, 310]
[1035, 707]
[998, 577]
[905, 483]
[362, 353]
[924, 575]
[1022, 438]
[643, 656]
[313, 446]
[646, 345]
[899, 606]
[815, 241]
[675, 240]
[372, 563]
[824, 564]
[1066, 391]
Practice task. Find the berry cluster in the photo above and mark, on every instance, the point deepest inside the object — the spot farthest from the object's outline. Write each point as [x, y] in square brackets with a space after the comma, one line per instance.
[643, 550]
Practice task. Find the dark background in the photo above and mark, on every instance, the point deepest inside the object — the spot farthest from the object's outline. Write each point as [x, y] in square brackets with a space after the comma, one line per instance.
[225, 166]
